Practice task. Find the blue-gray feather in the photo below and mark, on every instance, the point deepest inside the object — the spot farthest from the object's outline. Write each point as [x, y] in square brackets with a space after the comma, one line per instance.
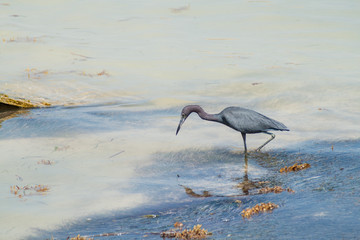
[241, 119]
[248, 121]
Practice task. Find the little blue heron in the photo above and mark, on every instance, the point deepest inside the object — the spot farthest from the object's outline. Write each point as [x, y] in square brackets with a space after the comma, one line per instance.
[238, 118]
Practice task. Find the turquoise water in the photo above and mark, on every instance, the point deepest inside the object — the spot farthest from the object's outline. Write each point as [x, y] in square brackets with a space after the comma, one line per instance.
[118, 74]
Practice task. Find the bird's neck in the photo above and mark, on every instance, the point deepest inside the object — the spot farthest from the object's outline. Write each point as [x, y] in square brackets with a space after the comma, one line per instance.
[203, 115]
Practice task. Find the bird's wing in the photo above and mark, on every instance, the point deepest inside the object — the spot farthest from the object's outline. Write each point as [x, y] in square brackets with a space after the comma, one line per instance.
[249, 121]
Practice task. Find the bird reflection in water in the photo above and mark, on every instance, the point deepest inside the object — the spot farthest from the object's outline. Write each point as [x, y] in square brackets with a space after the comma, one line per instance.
[245, 185]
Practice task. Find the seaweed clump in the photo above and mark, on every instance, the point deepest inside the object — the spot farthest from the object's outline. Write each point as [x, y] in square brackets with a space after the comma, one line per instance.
[276, 189]
[258, 208]
[45, 162]
[21, 103]
[295, 167]
[191, 193]
[78, 237]
[28, 190]
[196, 233]
[5, 99]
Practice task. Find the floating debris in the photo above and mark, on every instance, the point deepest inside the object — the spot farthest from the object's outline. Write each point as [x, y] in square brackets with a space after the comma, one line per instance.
[78, 237]
[61, 148]
[29, 190]
[19, 178]
[36, 74]
[80, 55]
[91, 237]
[261, 207]
[276, 189]
[150, 216]
[102, 73]
[168, 234]
[191, 193]
[21, 103]
[116, 154]
[19, 39]
[178, 225]
[196, 233]
[295, 167]
[180, 9]
[45, 162]
[238, 202]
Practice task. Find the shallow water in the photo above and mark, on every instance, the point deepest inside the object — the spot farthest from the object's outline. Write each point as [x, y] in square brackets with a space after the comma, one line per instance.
[101, 181]
[118, 74]
[324, 205]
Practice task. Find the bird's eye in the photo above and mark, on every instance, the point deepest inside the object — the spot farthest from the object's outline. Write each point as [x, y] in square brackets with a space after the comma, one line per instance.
[183, 114]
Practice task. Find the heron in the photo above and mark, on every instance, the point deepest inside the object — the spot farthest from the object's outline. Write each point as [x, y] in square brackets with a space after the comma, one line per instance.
[246, 121]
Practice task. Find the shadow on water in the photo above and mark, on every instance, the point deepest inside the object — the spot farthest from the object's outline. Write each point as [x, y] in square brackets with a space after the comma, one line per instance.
[243, 184]
[7, 112]
[212, 187]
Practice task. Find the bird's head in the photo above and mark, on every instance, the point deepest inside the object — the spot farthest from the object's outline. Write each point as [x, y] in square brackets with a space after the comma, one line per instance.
[185, 112]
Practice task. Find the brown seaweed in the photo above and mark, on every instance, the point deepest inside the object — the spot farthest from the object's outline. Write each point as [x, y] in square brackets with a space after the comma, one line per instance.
[29, 190]
[196, 233]
[191, 193]
[78, 237]
[295, 167]
[258, 208]
[21, 103]
[276, 189]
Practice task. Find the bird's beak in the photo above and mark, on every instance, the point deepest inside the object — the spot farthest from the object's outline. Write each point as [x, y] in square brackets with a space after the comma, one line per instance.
[182, 120]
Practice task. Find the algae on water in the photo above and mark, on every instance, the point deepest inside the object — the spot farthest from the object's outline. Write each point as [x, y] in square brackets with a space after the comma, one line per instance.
[21, 103]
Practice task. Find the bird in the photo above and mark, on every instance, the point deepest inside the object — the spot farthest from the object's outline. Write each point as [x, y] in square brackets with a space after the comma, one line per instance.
[243, 120]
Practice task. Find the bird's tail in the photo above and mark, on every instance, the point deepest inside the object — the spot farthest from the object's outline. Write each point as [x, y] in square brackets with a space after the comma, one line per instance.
[280, 126]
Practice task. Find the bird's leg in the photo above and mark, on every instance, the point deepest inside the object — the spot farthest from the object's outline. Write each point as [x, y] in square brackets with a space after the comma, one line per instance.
[272, 137]
[244, 138]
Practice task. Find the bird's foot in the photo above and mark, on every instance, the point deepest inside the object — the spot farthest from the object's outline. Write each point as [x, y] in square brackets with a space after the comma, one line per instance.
[259, 148]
